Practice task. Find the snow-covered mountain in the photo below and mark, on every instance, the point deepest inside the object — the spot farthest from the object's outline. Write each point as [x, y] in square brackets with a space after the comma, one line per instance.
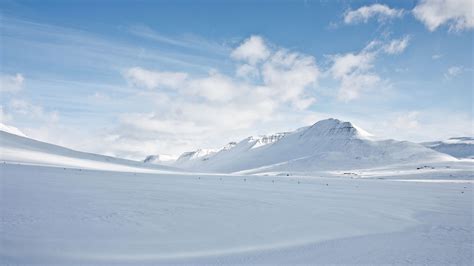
[200, 154]
[194, 159]
[328, 144]
[460, 147]
[23, 150]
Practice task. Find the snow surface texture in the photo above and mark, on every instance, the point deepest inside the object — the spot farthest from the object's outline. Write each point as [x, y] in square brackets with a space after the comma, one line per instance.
[51, 215]
[461, 147]
[327, 145]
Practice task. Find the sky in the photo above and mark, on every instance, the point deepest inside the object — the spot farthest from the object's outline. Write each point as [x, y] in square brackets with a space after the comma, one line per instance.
[134, 78]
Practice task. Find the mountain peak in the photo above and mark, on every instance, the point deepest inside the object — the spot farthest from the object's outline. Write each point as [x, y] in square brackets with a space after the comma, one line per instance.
[197, 154]
[336, 128]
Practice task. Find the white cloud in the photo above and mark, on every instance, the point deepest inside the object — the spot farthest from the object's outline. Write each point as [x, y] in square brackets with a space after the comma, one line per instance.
[353, 85]
[457, 14]
[436, 56]
[453, 72]
[346, 64]
[251, 50]
[378, 11]
[11, 83]
[29, 110]
[247, 71]
[154, 79]
[397, 46]
[188, 125]
[152, 122]
[269, 83]
[4, 117]
[37, 122]
[215, 87]
[354, 71]
[407, 121]
[288, 74]
[419, 125]
[283, 75]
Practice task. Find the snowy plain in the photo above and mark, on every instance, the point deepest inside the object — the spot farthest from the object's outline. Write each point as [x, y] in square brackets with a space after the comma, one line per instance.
[53, 215]
[64, 207]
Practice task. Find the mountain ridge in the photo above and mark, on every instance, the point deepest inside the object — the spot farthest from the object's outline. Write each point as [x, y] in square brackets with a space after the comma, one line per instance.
[459, 147]
[327, 144]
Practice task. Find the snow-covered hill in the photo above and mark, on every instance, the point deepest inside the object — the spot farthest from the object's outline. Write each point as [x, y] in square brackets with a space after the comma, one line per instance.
[11, 130]
[22, 150]
[327, 145]
[460, 147]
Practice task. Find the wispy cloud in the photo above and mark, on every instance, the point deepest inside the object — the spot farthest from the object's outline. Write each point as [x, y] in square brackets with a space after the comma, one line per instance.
[53, 46]
[355, 71]
[397, 46]
[30, 110]
[154, 79]
[11, 83]
[453, 72]
[407, 121]
[188, 41]
[377, 11]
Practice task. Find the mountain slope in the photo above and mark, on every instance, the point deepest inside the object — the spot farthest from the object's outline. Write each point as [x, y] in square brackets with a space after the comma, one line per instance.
[461, 147]
[11, 130]
[328, 144]
[18, 149]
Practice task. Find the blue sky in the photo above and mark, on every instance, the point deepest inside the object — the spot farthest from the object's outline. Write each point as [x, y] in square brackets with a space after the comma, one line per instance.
[131, 79]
